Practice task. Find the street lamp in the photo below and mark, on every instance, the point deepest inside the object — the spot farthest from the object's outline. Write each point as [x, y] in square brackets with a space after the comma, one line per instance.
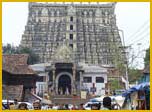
[123, 43]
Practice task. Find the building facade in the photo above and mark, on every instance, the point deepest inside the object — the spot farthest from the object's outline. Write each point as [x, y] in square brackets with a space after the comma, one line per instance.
[94, 79]
[18, 78]
[68, 78]
[89, 30]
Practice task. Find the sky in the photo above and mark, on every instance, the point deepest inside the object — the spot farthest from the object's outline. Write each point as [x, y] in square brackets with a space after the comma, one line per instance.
[132, 17]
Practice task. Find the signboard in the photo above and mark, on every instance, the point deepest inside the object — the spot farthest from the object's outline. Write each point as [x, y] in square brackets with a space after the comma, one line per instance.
[83, 94]
[95, 71]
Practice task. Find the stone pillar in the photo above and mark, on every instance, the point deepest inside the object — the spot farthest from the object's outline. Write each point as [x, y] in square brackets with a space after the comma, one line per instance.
[46, 80]
[53, 79]
[81, 80]
[73, 78]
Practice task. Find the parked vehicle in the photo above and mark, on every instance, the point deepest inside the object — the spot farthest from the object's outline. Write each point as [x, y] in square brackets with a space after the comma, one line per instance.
[120, 91]
[116, 100]
[6, 106]
[87, 106]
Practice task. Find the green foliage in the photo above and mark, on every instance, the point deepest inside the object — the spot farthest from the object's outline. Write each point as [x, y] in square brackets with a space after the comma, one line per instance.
[147, 57]
[33, 58]
[8, 49]
[115, 84]
[133, 75]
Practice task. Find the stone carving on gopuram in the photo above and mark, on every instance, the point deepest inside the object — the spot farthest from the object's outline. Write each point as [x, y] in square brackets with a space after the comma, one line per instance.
[63, 54]
[90, 30]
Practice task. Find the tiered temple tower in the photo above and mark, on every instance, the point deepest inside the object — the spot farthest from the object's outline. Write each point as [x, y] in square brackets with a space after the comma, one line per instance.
[89, 30]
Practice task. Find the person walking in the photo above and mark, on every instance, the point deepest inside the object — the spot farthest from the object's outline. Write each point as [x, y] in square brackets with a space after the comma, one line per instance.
[106, 103]
[16, 104]
[22, 106]
[45, 102]
[37, 105]
[81, 107]
[12, 106]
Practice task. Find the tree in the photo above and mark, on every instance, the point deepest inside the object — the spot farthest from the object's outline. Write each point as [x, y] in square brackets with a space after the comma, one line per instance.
[147, 57]
[115, 84]
[33, 58]
[9, 49]
[133, 75]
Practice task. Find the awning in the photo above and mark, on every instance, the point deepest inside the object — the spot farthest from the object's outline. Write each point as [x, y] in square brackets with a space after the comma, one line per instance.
[119, 99]
[136, 88]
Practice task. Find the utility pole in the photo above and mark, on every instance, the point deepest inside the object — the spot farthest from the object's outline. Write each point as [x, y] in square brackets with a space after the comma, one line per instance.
[126, 66]
[126, 59]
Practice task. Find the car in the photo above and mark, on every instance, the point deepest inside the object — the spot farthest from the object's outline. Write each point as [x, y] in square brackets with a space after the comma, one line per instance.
[6, 102]
[120, 91]
[87, 106]
[114, 100]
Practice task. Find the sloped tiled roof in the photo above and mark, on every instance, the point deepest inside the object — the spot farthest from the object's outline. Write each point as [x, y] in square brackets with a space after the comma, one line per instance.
[16, 64]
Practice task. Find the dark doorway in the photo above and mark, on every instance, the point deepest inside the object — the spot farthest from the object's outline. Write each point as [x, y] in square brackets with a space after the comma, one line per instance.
[64, 85]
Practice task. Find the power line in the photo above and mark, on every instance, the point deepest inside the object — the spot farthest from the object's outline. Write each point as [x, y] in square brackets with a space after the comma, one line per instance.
[139, 38]
[139, 34]
[143, 42]
[141, 27]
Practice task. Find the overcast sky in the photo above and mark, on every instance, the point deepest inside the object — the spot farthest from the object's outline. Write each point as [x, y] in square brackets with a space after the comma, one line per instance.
[132, 17]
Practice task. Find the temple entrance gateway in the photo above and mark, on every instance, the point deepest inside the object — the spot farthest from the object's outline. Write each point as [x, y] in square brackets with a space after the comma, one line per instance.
[64, 85]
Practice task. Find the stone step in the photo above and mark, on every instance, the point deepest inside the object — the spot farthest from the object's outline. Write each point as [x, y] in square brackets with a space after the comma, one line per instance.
[70, 101]
[64, 96]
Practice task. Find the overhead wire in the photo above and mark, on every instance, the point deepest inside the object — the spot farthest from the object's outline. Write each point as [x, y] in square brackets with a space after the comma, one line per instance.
[145, 36]
[140, 28]
[139, 35]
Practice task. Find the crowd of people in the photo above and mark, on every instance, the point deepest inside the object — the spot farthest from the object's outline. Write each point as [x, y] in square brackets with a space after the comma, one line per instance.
[42, 105]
